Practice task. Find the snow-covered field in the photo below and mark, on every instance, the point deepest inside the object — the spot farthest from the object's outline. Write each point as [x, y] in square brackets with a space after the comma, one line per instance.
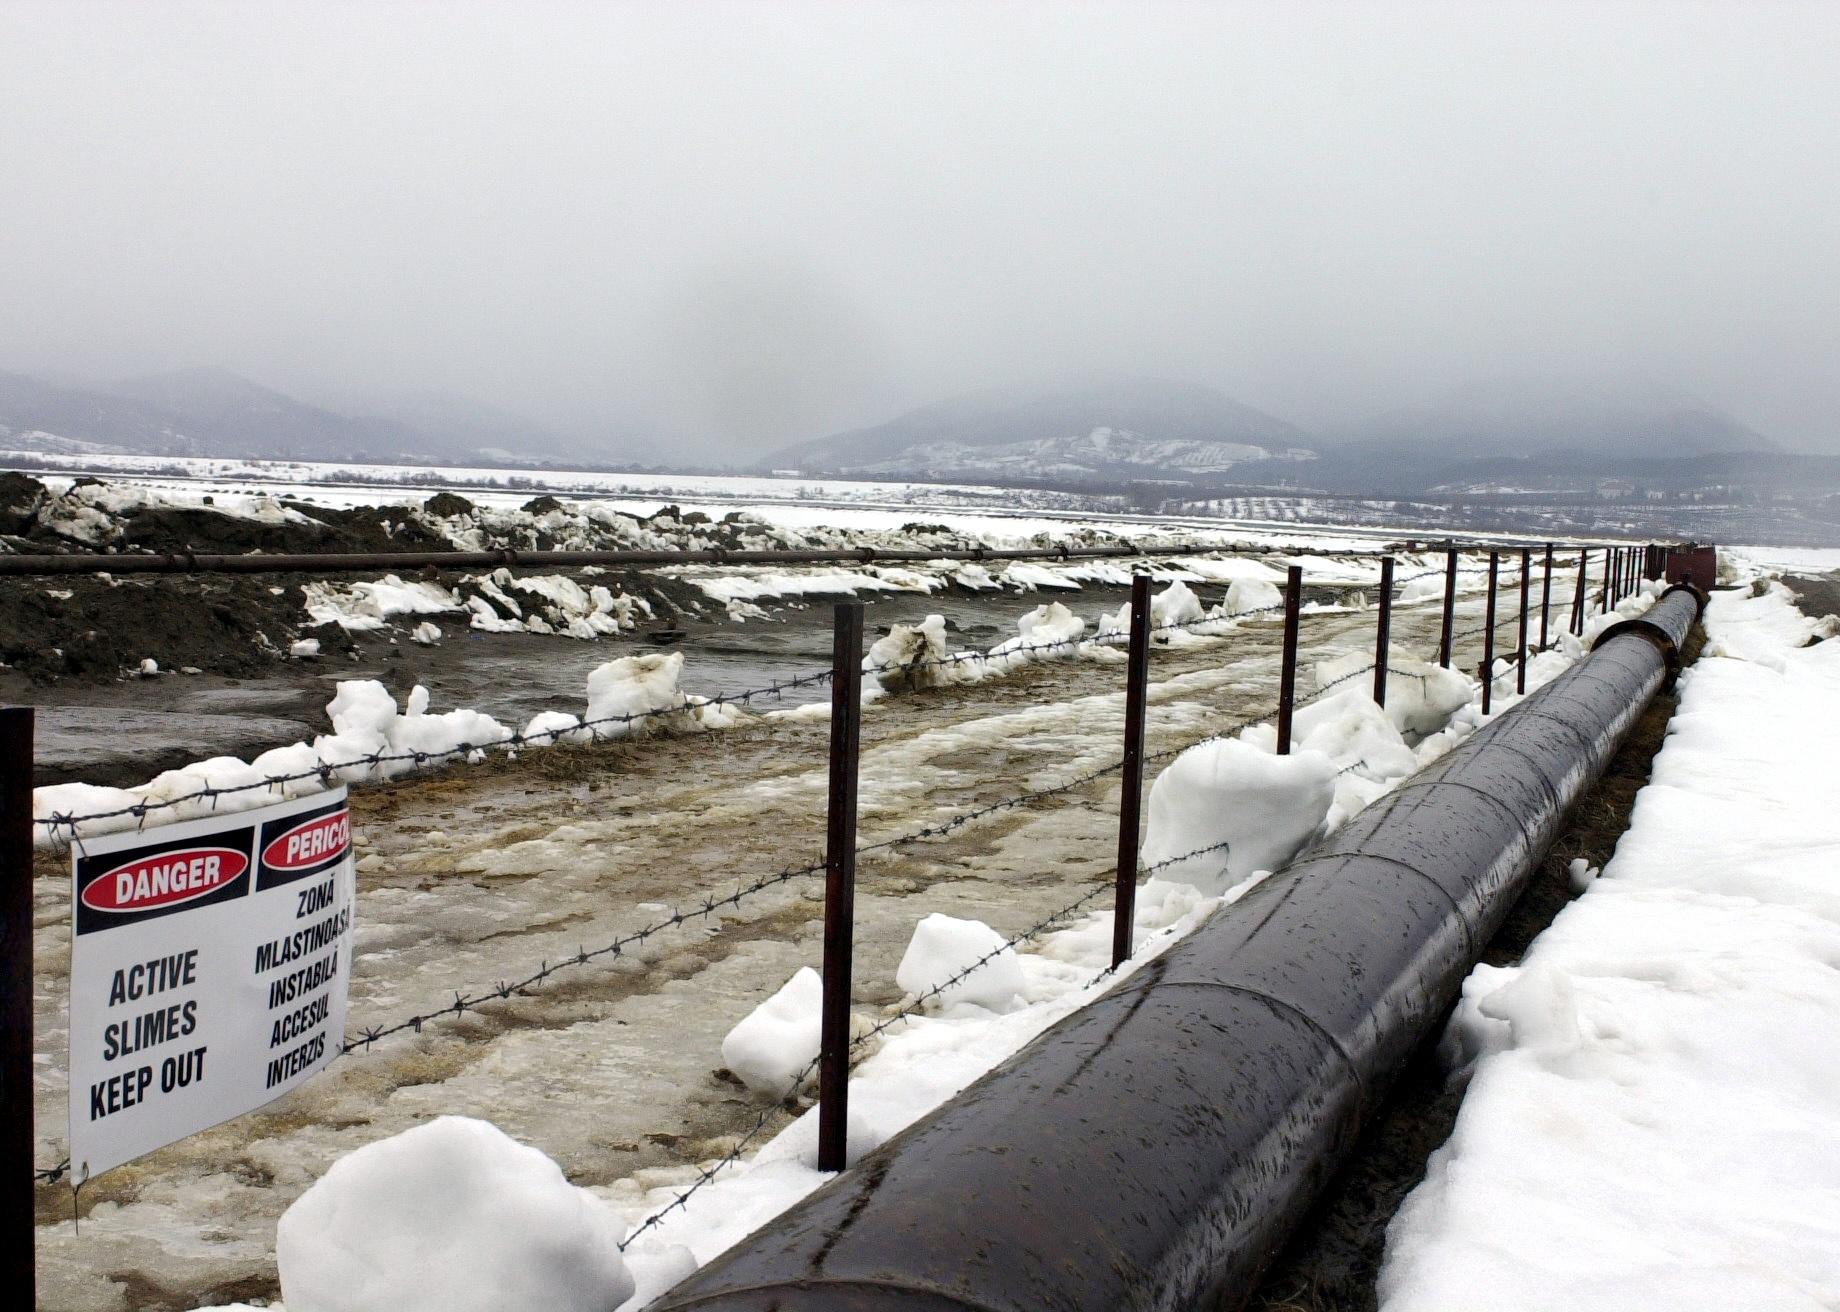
[337, 478]
[1652, 1117]
[1002, 515]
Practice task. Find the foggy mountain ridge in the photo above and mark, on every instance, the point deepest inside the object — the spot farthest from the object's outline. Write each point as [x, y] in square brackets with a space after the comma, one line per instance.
[1585, 414]
[213, 411]
[1130, 427]
[1145, 428]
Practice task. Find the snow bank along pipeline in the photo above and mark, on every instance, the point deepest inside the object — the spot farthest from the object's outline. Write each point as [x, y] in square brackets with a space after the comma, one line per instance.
[1155, 1149]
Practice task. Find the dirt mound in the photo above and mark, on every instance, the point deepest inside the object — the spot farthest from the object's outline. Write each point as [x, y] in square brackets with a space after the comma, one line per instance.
[90, 627]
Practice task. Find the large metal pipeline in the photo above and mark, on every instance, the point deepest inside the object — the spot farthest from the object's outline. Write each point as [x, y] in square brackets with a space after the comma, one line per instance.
[1157, 1148]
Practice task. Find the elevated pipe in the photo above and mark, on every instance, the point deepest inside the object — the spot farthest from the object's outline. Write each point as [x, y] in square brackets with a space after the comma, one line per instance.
[187, 562]
[350, 562]
[1155, 1149]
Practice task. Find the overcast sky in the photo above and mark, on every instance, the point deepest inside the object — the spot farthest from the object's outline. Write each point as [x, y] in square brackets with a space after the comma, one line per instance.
[754, 223]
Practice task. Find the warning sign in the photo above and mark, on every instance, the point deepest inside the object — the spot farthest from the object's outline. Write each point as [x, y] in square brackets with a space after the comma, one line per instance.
[208, 964]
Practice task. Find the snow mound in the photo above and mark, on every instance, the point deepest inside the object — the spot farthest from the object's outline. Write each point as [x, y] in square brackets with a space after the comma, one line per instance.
[1175, 605]
[913, 656]
[1245, 595]
[633, 685]
[554, 727]
[361, 706]
[1422, 588]
[776, 1041]
[451, 1216]
[942, 946]
[363, 606]
[1265, 807]
[1421, 695]
[1050, 626]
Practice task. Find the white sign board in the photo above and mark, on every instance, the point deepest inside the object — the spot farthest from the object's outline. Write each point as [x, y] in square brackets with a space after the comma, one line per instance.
[208, 965]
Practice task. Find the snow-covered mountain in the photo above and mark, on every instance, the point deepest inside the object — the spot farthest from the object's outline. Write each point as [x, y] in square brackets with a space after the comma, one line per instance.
[1123, 428]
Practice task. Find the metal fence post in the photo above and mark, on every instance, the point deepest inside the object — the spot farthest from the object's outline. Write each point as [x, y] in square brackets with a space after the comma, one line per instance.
[1609, 562]
[1546, 596]
[1287, 675]
[1578, 595]
[840, 886]
[1383, 629]
[1450, 601]
[1130, 804]
[17, 1271]
[1488, 634]
[1520, 671]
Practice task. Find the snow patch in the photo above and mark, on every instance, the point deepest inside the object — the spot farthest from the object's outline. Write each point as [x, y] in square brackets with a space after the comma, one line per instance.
[943, 946]
[451, 1216]
[776, 1042]
[1263, 807]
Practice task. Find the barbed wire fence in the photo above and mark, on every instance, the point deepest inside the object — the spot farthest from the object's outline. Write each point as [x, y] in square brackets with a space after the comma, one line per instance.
[357, 767]
[708, 905]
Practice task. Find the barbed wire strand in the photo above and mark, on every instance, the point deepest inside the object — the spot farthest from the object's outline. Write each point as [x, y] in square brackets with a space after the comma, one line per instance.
[327, 771]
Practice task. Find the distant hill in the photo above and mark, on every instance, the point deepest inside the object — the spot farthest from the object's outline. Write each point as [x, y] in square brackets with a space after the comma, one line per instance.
[211, 411]
[1588, 416]
[85, 415]
[470, 425]
[222, 412]
[1120, 429]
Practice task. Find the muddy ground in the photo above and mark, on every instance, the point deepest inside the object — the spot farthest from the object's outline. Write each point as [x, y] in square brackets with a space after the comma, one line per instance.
[123, 731]
[94, 628]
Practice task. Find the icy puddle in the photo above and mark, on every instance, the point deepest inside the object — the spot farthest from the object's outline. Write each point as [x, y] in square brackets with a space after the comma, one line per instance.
[484, 873]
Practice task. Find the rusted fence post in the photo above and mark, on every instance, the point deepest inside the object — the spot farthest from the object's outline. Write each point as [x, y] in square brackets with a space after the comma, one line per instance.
[1383, 629]
[17, 1234]
[1520, 661]
[1450, 601]
[840, 886]
[1488, 634]
[1584, 563]
[1130, 804]
[1546, 596]
[1287, 675]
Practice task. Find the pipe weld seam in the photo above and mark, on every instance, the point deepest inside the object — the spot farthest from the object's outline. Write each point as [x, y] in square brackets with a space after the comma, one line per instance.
[1279, 1004]
[1444, 781]
[1469, 935]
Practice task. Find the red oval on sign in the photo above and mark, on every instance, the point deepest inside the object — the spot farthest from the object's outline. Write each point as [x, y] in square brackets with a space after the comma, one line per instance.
[311, 844]
[165, 879]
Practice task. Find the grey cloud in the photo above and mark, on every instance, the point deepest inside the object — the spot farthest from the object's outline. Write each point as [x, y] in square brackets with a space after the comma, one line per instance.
[744, 224]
